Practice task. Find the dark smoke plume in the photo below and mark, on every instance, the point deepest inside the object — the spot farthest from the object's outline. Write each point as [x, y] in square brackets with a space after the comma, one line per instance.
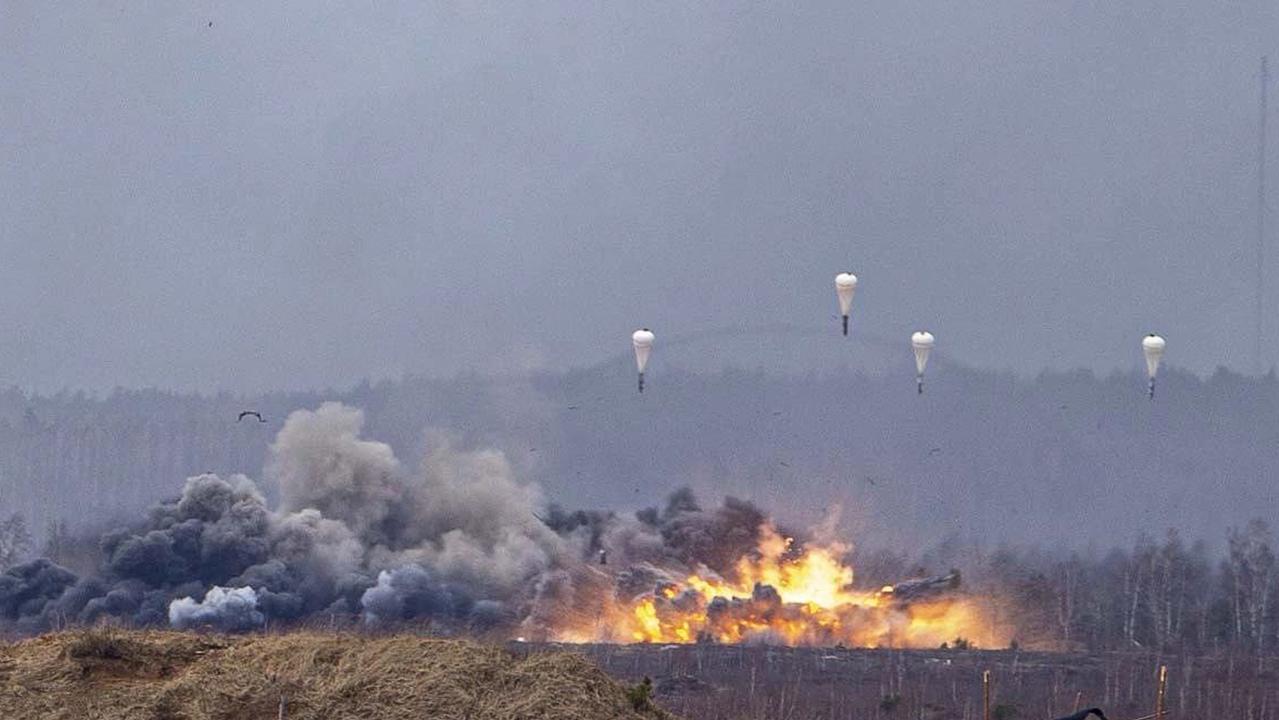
[458, 543]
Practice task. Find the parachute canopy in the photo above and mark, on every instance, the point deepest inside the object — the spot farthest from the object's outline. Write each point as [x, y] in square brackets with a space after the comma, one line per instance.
[642, 339]
[845, 287]
[1152, 346]
[922, 342]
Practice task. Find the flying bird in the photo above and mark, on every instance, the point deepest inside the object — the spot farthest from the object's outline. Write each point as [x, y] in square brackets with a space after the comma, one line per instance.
[248, 413]
[1085, 713]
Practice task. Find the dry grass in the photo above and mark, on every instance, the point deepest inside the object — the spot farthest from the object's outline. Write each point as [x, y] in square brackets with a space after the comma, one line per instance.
[108, 674]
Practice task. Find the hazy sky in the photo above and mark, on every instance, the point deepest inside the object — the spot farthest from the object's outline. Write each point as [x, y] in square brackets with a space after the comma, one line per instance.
[310, 193]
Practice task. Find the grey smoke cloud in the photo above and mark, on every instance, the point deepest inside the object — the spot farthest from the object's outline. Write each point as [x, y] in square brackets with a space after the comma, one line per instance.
[411, 591]
[460, 542]
[320, 463]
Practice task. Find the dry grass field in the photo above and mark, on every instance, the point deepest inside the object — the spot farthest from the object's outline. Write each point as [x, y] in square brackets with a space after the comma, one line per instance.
[111, 674]
[107, 674]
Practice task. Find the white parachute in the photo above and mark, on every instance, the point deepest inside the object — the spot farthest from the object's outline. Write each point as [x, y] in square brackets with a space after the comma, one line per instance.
[922, 342]
[642, 339]
[845, 286]
[1152, 346]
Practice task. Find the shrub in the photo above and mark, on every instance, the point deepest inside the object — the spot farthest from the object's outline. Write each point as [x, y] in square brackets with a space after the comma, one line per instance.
[641, 695]
[100, 644]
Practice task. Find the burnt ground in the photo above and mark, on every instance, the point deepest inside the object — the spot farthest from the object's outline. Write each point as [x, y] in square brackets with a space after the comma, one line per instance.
[710, 681]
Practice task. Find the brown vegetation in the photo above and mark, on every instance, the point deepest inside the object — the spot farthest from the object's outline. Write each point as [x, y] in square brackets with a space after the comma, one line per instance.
[108, 674]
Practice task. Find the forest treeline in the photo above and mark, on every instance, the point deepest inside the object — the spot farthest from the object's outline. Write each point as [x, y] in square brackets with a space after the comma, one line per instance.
[1068, 460]
[989, 456]
[1158, 594]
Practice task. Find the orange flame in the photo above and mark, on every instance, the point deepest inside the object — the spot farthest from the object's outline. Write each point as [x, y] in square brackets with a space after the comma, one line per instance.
[785, 596]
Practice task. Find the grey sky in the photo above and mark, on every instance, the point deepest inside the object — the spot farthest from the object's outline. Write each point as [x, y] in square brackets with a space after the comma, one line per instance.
[307, 194]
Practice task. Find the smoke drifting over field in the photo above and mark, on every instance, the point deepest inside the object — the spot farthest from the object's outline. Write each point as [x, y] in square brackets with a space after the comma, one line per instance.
[458, 542]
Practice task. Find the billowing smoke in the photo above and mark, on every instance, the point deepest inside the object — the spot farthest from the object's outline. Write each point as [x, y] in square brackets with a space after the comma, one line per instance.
[231, 610]
[413, 591]
[458, 544]
[321, 463]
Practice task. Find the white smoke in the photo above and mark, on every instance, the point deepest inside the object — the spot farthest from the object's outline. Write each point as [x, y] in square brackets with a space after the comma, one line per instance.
[229, 610]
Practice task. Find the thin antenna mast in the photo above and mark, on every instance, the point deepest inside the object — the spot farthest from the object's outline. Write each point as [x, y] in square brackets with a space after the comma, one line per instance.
[1261, 217]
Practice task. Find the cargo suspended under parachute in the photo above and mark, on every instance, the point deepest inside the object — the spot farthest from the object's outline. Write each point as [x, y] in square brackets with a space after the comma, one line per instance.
[1152, 346]
[845, 287]
[922, 343]
[642, 339]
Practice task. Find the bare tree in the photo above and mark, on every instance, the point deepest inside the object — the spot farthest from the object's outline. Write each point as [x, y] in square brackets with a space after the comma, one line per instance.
[15, 541]
[1167, 589]
[1251, 567]
[1067, 581]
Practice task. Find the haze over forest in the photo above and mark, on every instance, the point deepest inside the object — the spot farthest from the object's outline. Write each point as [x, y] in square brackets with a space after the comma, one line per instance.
[1063, 460]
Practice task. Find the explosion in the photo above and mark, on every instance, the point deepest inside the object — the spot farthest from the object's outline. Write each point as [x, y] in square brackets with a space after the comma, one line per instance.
[459, 546]
[781, 594]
